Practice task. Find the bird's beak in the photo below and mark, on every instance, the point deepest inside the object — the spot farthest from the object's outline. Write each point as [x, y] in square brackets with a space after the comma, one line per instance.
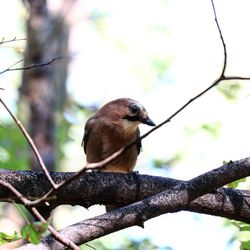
[148, 121]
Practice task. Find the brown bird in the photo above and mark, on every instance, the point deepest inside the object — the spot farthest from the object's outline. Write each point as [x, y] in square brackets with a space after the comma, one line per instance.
[111, 128]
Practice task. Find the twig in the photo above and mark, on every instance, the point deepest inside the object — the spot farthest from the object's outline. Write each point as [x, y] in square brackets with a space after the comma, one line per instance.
[12, 40]
[76, 175]
[222, 77]
[221, 38]
[31, 66]
[14, 191]
[56, 235]
[35, 212]
[12, 65]
[31, 143]
[88, 245]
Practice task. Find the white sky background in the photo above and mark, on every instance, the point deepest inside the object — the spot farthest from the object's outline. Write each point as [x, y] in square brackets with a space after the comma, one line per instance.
[115, 61]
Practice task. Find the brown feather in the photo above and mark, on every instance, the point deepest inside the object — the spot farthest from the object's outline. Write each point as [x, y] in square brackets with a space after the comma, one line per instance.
[113, 127]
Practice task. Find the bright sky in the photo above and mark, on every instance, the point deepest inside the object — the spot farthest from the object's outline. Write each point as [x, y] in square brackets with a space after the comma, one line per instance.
[116, 57]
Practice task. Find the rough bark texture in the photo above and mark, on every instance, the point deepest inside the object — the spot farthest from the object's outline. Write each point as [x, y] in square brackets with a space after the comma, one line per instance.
[43, 88]
[101, 188]
[152, 196]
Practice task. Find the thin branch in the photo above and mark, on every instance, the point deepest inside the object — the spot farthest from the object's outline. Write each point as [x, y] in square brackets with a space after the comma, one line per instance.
[216, 82]
[12, 65]
[14, 191]
[31, 66]
[12, 40]
[221, 38]
[31, 143]
[229, 78]
[76, 175]
[35, 212]
[63, 240]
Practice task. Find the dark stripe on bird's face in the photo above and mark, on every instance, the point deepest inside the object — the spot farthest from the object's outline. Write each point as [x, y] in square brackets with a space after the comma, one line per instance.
[136, 118]
[132, 118]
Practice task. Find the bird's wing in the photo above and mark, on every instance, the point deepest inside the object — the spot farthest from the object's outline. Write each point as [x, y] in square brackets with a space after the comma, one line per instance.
[138, 141]
[85, 136]
[85, 139]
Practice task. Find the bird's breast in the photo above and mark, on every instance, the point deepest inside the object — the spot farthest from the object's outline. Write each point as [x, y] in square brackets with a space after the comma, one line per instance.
[126, 161]
[106, 139]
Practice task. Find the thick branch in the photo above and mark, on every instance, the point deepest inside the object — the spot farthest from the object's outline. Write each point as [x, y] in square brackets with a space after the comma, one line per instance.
[103, 188]
[181, 197]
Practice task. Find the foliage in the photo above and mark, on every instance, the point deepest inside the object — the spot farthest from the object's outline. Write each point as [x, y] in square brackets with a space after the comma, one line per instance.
[14, 149]
[213, 128]
[167, 163]
[230, 90]
[33, 232]
[245, 245]
[6, 238]
[243, 235]
[235, 184]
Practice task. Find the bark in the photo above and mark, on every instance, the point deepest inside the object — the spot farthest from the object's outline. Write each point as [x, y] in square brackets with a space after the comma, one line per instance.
[43, 88]
[152, 196]
[101, 188]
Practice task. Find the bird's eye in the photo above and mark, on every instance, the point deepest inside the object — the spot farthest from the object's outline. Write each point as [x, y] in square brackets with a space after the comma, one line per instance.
[134, 109]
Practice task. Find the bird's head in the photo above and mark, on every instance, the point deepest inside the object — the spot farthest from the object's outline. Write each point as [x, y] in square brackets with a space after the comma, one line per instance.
[127, 112]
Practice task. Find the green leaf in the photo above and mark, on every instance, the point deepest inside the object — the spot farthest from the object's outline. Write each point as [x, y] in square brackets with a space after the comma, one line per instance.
[245, 245]
[230, 90]
[235, 184]
[213, 128]
[245, 228]
[35, 236]
[34, 232]
[5, 238]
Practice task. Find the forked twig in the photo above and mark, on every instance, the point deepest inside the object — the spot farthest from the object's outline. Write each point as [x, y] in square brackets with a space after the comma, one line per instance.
[77, 174]
[36, 213]
[222, 77]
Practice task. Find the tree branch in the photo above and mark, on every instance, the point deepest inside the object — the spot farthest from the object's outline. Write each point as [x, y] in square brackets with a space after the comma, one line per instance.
[101, 164]
[180, 196]
[31, 66]
[3, 41]
[31, 143]
[59, 238]
[103, 188]
[176, 196]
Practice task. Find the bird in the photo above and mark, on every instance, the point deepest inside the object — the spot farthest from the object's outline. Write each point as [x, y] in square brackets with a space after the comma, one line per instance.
[111, 128]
